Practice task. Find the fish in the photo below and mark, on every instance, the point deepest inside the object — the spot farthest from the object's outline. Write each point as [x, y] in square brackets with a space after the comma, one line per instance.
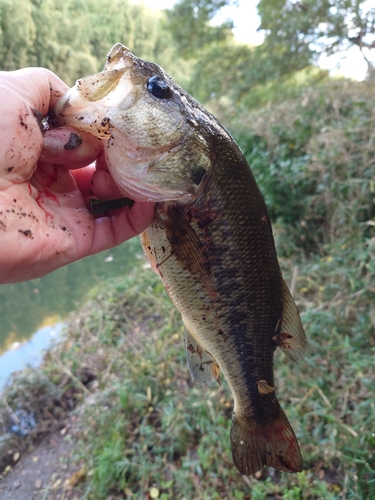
[210, 241]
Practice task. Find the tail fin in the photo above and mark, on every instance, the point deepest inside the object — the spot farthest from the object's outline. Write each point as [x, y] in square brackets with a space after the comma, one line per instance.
[273, 444]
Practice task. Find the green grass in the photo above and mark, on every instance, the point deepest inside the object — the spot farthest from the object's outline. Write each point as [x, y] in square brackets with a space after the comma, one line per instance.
[147, 429]
[150, 429]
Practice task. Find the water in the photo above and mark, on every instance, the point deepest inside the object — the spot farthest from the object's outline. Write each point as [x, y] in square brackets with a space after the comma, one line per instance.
[29, 353]
[30, 311]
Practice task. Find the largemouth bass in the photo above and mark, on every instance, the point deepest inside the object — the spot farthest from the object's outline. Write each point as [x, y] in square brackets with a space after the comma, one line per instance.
[210, 241]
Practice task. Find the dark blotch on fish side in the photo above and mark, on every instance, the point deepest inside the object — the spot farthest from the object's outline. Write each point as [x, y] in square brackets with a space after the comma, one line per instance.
[74, 141]
[197, 175]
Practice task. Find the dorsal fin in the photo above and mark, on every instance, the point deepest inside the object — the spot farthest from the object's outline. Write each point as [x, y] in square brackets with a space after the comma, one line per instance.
[202, 365]
[291, 337]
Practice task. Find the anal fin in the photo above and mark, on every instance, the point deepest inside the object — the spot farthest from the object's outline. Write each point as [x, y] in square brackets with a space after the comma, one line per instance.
[291, 337]
[203, 367]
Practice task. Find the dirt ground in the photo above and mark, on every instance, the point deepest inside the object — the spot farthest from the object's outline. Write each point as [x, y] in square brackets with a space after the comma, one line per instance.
[46, 472]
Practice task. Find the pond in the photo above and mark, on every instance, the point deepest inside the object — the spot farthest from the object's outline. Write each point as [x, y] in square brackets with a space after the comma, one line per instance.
[32, 312]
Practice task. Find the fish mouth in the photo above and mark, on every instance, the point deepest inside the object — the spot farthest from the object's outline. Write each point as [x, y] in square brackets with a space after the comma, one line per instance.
[86, 105]
[144, 139]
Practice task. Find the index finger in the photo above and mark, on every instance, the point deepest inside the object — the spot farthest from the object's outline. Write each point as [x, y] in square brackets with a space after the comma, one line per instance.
[70, 148]
[22, 92]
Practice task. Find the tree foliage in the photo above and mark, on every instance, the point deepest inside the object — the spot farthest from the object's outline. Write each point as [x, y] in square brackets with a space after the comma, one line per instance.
[314, 157]
[72, 38]
[190, 22]
[17, 33]
[302, 30]
[224, 68]
[296, 34]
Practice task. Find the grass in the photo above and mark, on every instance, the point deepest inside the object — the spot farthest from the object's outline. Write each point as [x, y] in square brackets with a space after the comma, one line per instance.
[146, 431]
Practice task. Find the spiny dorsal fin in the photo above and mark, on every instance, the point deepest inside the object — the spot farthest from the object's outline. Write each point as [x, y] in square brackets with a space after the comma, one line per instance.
[203, 367]
[291, 339]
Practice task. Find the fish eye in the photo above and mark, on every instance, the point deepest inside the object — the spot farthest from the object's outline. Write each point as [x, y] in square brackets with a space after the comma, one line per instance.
[159, 88]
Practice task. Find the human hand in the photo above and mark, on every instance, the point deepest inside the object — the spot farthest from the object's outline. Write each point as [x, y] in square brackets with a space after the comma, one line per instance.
[44, 220]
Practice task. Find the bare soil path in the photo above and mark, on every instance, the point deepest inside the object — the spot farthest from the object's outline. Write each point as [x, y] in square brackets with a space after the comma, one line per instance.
[46, 472]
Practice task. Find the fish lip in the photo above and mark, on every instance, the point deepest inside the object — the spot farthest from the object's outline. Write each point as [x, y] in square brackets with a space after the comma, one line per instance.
[116, 57]
[86, 106]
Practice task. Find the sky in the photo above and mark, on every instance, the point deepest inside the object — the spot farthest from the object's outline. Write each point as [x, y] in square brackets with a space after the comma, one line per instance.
[246, 21]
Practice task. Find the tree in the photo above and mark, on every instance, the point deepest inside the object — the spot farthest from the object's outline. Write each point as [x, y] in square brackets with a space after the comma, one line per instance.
[297, 33]
[302, 30]
[73, 37]
[62, 41]
[225, 70]
[190, 22]
[18, 33]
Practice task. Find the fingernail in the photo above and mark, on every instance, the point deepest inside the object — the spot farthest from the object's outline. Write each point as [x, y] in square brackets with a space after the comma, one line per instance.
[51, 147]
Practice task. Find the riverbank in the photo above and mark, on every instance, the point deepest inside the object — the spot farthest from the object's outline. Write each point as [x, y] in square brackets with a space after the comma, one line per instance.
[47, 300]
[116, 395]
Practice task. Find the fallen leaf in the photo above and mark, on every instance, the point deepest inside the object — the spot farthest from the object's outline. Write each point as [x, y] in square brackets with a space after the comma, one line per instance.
[77, 477]
[154, 493]
[258, 474]
[56, 484]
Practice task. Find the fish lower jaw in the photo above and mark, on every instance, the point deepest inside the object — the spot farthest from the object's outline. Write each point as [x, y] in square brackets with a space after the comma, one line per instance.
[132, 188]
[133, 179]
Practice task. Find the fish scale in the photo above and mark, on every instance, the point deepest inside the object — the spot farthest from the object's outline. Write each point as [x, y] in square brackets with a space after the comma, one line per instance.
[210, 241]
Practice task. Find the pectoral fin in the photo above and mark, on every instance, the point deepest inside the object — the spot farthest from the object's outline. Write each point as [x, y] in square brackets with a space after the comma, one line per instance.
[186, 245]
[149, 251]
[203, 367]
[291, 337]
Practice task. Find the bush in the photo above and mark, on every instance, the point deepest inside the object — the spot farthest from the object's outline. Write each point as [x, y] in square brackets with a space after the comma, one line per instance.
[314, 159]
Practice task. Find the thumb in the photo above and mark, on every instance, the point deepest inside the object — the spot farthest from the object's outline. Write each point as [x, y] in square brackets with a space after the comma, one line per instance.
[68, 147]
